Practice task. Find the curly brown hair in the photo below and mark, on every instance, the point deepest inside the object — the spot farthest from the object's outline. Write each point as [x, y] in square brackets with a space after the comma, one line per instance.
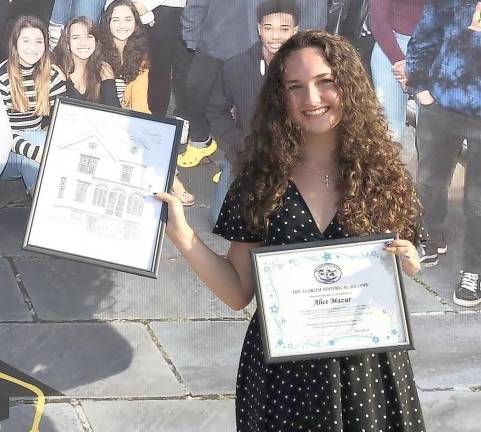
[377, 192]
[135, 55]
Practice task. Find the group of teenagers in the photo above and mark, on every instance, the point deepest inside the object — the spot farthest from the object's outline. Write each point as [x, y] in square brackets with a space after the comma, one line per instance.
[106, 63]
[311, 114]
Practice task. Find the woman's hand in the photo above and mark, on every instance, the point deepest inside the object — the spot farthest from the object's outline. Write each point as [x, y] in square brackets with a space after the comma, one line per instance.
[425, 97]
[399, 71]
[177, 227]
[407, 253]
[106, 72]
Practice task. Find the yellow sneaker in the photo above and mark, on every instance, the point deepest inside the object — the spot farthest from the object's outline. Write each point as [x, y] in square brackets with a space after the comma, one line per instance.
[216, 177]
[193, 155]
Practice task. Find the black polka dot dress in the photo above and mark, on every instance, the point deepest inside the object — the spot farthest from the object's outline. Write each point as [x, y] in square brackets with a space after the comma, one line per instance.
[364, 393]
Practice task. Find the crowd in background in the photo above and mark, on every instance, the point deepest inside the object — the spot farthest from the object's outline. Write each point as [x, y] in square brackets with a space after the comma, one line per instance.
[206, 59]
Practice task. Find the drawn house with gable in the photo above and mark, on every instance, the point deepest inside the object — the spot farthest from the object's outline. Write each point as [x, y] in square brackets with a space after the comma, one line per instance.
[102, 184]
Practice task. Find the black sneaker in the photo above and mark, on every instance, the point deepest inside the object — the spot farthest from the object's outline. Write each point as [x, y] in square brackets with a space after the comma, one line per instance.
[468, 290]
[429, 254]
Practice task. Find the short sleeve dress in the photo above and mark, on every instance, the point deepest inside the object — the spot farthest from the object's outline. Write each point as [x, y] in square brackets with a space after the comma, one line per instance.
[370, 393]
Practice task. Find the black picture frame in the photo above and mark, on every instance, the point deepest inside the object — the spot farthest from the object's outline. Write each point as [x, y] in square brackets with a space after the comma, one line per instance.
[100, 167]
[321, 247]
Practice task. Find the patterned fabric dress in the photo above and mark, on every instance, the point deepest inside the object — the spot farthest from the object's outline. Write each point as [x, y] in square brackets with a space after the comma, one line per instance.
[363, 393]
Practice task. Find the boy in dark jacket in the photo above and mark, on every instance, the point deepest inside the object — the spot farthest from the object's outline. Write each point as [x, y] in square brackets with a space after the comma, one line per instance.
[233, 99]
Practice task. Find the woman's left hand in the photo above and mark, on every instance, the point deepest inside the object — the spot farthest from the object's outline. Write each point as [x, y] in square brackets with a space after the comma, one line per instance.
[407, 253]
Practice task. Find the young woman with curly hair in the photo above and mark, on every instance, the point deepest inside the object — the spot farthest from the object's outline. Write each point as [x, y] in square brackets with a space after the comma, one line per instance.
[125, 44]
[322, 166]
[79, 55]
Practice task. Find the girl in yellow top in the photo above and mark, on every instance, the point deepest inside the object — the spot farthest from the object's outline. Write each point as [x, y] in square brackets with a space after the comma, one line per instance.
[125, 43]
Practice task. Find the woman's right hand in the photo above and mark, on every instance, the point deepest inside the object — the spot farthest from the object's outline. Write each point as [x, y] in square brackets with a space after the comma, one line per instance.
[177, 226]
[425, 97]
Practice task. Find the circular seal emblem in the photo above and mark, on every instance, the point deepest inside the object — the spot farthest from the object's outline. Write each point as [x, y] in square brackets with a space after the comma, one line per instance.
[328, 273]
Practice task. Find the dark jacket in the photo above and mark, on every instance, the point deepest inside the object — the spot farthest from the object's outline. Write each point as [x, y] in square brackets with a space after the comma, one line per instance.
[346, 18]
[225, 28]
[444, 55]
[233, 100]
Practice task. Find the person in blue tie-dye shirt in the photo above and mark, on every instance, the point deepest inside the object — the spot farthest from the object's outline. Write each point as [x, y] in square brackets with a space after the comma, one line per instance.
[443, 69]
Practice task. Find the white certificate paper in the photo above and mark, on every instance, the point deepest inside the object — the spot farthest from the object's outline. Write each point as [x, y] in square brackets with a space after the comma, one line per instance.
[327, 300]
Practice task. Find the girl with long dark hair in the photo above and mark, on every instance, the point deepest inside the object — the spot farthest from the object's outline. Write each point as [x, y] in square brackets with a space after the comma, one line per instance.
[322, 165]
[79, 55]
[125, 48]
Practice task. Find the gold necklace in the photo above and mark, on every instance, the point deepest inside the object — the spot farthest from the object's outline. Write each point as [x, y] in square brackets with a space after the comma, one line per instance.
[327, 178]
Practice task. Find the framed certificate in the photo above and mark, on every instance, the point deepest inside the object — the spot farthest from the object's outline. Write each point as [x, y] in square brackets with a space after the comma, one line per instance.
[330, 298]
[93, 198]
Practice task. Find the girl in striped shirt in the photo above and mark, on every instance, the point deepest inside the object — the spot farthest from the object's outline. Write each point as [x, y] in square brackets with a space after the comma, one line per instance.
[28, 87]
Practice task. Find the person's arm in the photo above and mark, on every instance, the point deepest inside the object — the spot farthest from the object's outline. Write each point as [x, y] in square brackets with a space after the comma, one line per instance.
[191, 20]
[145, 8]
[424, 47]
[24, 147]
[108, 91]
[57, 87]
[229, 278]
[5, 136]
[219, 113]
[380, 23]
[15, 143]
[136, 93]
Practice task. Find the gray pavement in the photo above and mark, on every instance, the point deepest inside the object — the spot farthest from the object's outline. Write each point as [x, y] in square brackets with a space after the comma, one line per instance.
[135, 354]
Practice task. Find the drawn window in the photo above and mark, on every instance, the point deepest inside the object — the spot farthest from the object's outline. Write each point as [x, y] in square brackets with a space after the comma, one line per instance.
[133, 149]
[115, 203]
[126, 173]
[92, 145]
[81, 192]
[119, 208]
[135, 205]
[100, 196]
[87, 164]
[61, 187]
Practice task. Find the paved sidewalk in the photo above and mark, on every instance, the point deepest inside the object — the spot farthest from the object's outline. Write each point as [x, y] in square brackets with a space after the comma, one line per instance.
[134, 354]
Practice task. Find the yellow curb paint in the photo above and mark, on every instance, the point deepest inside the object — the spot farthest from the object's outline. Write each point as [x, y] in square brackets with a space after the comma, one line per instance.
[34, 389]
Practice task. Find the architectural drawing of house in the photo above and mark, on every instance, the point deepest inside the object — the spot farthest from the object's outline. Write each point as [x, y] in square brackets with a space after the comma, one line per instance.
[102, 183]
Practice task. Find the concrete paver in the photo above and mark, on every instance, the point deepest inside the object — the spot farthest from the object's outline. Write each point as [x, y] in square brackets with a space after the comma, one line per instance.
[420, 300]
[451, 411]
[165, 416]
[67, 290]
[12, 232]
[12, 306]
[57, 417]
[90, 360]
[448, 353]
[205, 353]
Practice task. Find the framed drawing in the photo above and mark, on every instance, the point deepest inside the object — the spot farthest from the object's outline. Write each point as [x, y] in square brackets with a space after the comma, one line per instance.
[93, 199]
[330, 298]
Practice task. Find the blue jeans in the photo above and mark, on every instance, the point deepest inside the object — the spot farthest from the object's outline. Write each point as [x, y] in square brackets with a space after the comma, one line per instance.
[388, 89]
[220, 192]
[21, 167]
[64, 10]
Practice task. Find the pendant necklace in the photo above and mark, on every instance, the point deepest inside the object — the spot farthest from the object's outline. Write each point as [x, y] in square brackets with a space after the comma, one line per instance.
[327, 179]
